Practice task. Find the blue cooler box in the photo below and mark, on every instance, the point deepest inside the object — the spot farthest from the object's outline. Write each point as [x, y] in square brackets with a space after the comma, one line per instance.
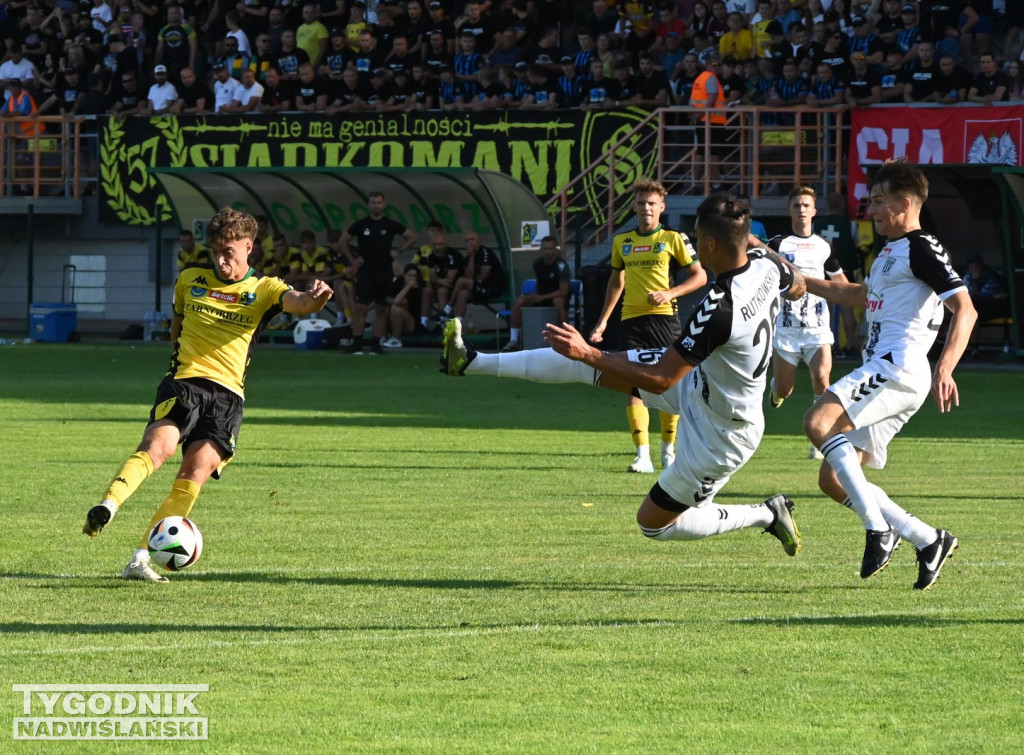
[53, 322]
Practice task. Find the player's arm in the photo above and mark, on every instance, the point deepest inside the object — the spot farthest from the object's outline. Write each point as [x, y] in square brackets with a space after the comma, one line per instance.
[612, 293]
[833, 270]
[799, 285]
[696, 277]
[345, 245]
[617, 372]
[944, 389]
[176, 320]
[307, 302]
[409, 237]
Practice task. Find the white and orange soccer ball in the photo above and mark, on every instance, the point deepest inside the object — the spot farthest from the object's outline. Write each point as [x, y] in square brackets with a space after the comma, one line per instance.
[175, 543]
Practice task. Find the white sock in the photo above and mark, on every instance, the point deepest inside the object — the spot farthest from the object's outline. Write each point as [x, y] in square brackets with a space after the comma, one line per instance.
[447, 310]
[140, 555]
[842, 457]
[538, 365]
[513, 334]
[696, 524]
[644, 452]
[911, 528]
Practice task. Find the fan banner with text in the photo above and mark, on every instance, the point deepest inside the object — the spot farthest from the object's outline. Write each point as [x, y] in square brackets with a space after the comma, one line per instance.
[950, 135]
[543, 150]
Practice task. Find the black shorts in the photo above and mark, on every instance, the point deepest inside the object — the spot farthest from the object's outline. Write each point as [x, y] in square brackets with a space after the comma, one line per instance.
[649, 331]
[373, 286]
[202, 410]
[723, 139]
[484, 291]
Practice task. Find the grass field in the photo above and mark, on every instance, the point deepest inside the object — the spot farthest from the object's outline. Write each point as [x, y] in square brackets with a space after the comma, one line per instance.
[402, 562]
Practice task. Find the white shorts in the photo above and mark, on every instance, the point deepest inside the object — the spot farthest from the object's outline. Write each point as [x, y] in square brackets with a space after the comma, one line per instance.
[709, 449]
[800, 344]
[879, 398]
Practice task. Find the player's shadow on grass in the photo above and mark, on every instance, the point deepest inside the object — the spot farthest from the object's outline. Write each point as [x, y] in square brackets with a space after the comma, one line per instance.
[871, 621]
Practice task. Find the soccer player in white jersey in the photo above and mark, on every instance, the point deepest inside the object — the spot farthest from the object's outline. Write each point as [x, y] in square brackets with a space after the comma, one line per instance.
[713, 377]
[909, 282]
[803, 331]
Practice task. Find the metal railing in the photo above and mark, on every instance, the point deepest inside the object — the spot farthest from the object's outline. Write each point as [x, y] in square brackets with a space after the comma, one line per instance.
[45, 156]
[757, 150]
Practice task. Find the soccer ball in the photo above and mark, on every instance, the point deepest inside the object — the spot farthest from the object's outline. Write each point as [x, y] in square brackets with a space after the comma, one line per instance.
[175, 543]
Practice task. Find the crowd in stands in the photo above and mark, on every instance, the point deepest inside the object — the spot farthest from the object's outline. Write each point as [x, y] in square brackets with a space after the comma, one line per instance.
[150, 57]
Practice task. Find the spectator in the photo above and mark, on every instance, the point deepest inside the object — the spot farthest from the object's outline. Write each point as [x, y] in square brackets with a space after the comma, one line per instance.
[1015, 77]
[446, 265]
[891, 76]
[248, 96]
[195, 96]
[190, 251]
[451, 95]
[349, 94]
[479, 27]
[552, 275]
[637, 26]
[256, 16]
[17, 67]
[718, 25]
[404, 90]
[380, 93]
[865, 86]
[290, 57]
[682, 87]
[672, 56]
[599, 92]
[669, 24]
[36, 39]
[919, 79]
[20, 104]
[603, 20]
[738, 42]
[467, 63]
[507, 51]
[991, 84]
[891, 22]
[942, 25]
[976, 32]
[369, 57]
[586, 51]
[277, 92]
[759, 27]
[987, 290]
[234, 59]
[310, 91]
[651, 86]
[400, 57]
[176, 44]
[415, 27]
[162, 94]
[424, 87]
[275, 29]
[263, 59]
[733, 84]
[701, 15]
[233, 21]
[356, 25]
[867, 42]
[225, 88]
[69, 95]
[541, 90]
[101, 15]
[312, 35]
[826, 88]
[129, 99]
[569, 83]
[439, 21]
[789, 91]
[907, 39]
[952, 82]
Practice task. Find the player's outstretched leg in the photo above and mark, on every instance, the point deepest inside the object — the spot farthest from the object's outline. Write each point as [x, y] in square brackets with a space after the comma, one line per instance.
[99, 517]
[931, 558]
[784, 527]
[774, 398]
[879, 545]
[456, 354]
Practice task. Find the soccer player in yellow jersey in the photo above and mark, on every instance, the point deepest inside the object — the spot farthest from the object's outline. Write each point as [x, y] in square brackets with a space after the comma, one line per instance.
[641, 266]
[219, 309]
[189, 252]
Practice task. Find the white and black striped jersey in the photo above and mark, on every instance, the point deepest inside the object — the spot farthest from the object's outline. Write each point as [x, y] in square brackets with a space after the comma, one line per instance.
[816, 258]
[729, 337]
[909, 279]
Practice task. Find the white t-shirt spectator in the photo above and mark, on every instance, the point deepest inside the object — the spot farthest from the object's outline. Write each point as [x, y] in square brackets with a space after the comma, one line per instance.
[243, 41]
[101, 17]
[224, 93]
[244, 96]
[161, 96]
[23, 70]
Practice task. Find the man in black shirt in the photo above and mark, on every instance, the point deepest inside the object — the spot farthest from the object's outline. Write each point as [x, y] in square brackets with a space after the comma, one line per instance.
[277, 93]
[952, 82]
[553, 280]
[374, 258]
[484, 277]
[193, 95]
[991, 84]
[920, 78]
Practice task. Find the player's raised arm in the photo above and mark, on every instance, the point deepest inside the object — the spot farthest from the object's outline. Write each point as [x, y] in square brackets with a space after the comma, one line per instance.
[306, 303]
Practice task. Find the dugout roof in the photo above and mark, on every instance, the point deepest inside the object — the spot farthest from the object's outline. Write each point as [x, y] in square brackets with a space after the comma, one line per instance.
[490, 203]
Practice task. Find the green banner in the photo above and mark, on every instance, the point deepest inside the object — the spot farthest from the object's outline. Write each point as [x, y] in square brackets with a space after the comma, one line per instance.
[542, 150]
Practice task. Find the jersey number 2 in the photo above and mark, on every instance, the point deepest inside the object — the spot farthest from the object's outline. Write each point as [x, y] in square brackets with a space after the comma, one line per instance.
[764, 330]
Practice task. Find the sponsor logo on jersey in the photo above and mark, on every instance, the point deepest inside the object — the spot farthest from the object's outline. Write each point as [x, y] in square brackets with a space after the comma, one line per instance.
[642, 248]
[200, 281]
[198, 291]
[888, 265]
[627, 249]
[247, 298]
[660, 247]
[232, 298]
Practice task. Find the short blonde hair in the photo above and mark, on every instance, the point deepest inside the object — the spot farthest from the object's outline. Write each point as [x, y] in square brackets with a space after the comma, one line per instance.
[647, 186]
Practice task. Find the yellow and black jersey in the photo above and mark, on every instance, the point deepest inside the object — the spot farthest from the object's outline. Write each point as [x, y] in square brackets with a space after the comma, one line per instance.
[198, 255]
[422, 258]
[646, 260]
[316, 262]
[264, 262]
[220, 321]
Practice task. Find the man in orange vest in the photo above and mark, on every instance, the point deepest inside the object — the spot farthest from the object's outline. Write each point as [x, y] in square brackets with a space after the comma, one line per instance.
[707, 93]
[20, 104]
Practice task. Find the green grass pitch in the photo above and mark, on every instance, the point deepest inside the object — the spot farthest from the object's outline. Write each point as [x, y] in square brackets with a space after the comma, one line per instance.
[402, 562]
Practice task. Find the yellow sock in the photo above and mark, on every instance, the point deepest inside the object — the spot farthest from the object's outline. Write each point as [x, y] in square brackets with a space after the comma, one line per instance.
[638, 418]
[178, 503]
[134, 472]
[668, 426]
